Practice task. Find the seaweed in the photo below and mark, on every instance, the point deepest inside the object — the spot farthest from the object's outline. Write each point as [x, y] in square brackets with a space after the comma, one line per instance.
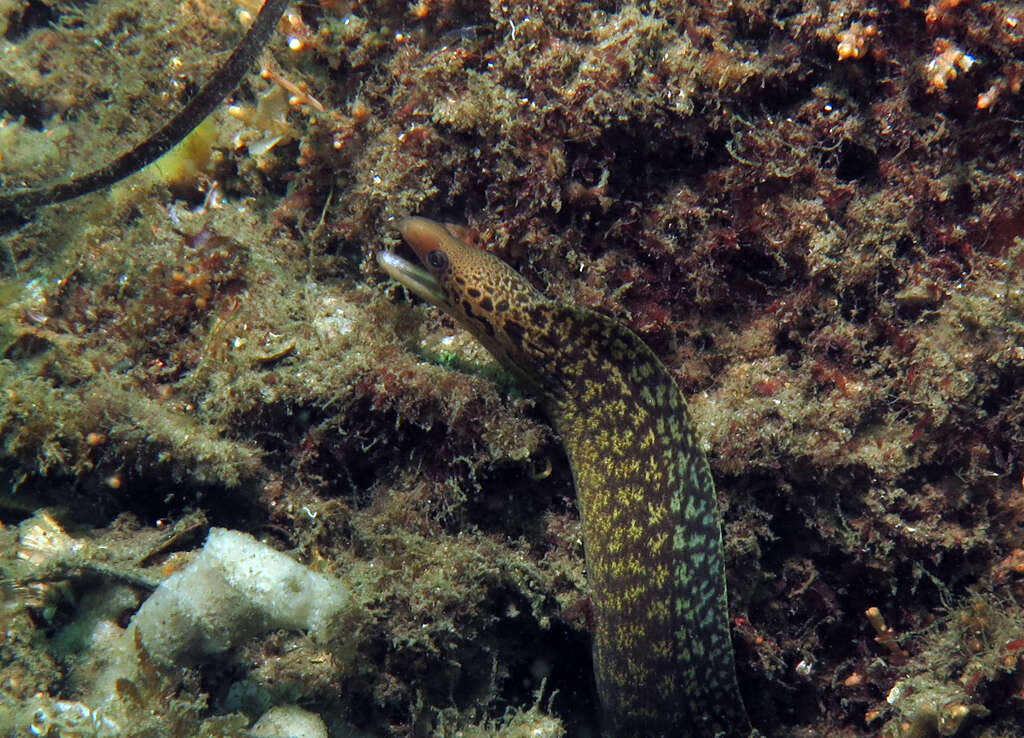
[209, 96]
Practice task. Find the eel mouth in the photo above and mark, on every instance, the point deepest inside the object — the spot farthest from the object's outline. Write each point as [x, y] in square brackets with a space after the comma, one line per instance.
[414, 278]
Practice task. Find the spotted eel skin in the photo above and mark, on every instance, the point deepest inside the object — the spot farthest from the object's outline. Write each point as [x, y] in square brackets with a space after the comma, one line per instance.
[662, 651]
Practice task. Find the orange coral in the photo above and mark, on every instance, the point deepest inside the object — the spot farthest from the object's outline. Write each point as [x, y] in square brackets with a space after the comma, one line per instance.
[947, 64]
[853, 42]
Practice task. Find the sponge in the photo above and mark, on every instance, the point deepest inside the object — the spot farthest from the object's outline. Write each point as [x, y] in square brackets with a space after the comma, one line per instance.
[236, 588]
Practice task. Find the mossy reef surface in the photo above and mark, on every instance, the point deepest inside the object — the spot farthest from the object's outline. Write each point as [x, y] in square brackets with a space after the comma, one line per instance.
[811, 211]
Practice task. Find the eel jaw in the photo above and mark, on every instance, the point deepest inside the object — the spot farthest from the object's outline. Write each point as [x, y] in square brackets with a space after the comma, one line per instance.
[414, 278]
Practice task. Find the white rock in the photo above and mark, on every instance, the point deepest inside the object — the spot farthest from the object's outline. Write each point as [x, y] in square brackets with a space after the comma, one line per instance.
[289, 721]
[236, 588]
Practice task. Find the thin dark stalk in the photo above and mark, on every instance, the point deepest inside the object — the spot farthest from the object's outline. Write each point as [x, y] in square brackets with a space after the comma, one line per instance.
[209, 97]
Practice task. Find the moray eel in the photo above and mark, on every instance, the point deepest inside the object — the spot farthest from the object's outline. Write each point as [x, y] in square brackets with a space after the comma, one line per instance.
[663, 655]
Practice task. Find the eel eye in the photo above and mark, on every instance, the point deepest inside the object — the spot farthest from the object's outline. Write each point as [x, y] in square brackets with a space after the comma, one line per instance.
[437, 259]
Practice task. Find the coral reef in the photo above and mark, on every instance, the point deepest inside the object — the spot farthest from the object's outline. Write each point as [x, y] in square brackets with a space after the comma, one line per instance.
[810, 211]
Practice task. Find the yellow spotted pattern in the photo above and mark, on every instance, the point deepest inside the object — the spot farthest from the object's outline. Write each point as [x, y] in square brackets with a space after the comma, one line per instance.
[663, 656]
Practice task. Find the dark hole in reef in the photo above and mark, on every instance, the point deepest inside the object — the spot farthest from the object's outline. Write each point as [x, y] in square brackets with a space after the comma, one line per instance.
[26, 346]
[856, 162]
[570, 685]
[750, 26]
[704, 341]
[18, 103]
[20, 502]
[835, 351]
[515, 498]
[348, 456]
[752, 271]
[782, 11]
[311, 14]
[219, 676]
[788, 344]
[857, 302]
[963, 198]
[1004, 393]
[33, 15]
[529, 653]
[903, 246]
[634, 163]
[155, 495]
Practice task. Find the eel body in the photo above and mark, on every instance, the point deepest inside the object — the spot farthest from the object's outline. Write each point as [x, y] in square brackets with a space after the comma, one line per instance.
[663, 655]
